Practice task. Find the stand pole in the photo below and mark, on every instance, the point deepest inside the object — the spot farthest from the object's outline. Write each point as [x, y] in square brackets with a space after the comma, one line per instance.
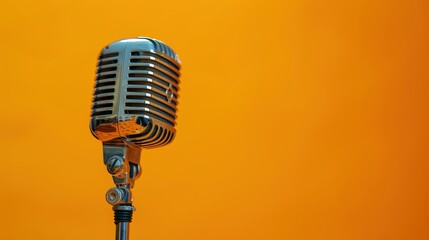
[123, 218]
[122, 230]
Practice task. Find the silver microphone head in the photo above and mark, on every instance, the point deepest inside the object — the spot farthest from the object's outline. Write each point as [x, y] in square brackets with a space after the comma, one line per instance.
[135, 95]
[134, 107]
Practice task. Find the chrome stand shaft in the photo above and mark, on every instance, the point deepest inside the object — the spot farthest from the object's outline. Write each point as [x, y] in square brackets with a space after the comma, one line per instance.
[122, 230]
[123, 218]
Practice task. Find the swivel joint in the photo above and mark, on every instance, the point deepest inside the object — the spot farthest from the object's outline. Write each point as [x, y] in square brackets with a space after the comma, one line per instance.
[121, 195]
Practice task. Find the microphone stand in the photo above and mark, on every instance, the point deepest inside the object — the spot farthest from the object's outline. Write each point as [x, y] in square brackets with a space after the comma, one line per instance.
[123, 215]
[122, 162]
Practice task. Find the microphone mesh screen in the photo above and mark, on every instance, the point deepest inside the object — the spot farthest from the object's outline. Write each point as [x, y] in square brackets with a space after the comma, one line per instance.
[105, 84]
[136, 92]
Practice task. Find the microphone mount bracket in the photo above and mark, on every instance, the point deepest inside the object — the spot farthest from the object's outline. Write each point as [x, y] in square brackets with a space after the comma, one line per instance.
[123, 163]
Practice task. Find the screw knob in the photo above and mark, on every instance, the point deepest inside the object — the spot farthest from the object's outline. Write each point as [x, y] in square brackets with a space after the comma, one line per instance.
[114, 196]
[115, 164]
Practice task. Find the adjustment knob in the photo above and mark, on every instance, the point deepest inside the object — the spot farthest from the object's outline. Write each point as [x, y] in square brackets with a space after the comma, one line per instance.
[114, 196]
[115, 164]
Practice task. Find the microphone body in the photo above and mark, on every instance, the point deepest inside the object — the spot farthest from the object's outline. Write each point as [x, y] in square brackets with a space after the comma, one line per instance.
[134, 107]
[136, 93]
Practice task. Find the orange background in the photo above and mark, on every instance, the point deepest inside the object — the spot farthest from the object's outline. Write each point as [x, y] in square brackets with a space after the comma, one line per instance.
[297, 120]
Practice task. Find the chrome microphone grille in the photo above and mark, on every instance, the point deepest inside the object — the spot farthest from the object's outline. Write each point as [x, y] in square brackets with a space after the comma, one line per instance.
[105, 84]
[136, 92]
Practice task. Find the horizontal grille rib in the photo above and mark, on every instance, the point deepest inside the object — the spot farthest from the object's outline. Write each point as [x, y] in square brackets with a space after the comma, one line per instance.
[150, 100]
[147, 82]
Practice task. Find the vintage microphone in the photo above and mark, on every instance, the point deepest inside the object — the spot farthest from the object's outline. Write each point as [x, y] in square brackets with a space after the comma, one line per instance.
[134, 107]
